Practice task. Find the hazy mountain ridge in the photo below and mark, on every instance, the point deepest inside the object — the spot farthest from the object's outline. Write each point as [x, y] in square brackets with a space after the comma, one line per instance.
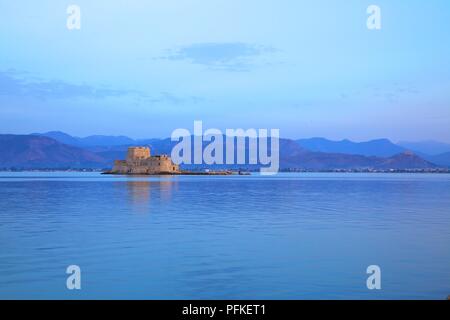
[428, 150]
[428, 147]
[442, 159]
[28, 151]
[60, 150]
[378, 147]
[90, 141]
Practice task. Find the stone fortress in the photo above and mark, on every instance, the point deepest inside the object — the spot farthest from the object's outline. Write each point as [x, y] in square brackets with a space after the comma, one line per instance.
[140, 161]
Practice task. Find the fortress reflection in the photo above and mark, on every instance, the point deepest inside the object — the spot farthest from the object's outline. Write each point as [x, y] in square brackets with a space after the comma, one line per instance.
[142, 193]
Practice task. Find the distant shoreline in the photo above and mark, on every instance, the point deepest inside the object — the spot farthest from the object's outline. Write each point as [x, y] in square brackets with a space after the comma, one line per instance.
[236, 172]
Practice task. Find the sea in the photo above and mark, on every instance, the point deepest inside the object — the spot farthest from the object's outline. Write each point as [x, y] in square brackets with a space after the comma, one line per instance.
[286, 236]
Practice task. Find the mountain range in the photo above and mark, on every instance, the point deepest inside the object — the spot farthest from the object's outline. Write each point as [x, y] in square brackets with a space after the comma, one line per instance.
[29, 151]
[60, 150]
[379, 147]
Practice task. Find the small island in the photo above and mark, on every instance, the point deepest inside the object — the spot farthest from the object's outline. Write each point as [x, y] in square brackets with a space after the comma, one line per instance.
[139, 161]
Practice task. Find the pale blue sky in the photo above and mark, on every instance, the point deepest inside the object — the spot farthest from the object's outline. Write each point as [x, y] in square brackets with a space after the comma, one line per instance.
[145, 68]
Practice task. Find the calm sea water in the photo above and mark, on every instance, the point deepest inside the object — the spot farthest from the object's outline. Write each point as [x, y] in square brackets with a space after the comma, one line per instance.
[290, 236]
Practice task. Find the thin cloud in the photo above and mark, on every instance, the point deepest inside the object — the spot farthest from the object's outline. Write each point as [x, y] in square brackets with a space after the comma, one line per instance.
[234, 56]
[20, 84]
[12, 83]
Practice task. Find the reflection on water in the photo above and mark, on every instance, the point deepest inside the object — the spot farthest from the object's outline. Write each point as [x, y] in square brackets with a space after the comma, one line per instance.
[140, 192]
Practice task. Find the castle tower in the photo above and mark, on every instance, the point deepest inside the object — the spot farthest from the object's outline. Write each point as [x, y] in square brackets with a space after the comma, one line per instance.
[138, 153]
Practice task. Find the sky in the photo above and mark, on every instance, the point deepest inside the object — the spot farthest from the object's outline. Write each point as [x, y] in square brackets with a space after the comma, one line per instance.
[146, 68]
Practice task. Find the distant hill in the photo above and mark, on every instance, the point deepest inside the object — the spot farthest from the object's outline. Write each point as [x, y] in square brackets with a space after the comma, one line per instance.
[379, 147]
[442, 159]
[60, 137]
[405, 160]
[28, 151]
[428, 147]
[327, 161]
[60, 150]
[90, 141]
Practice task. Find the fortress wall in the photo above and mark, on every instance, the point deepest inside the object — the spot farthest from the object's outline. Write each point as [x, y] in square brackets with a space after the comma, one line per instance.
[120, 166]
[161, 164]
